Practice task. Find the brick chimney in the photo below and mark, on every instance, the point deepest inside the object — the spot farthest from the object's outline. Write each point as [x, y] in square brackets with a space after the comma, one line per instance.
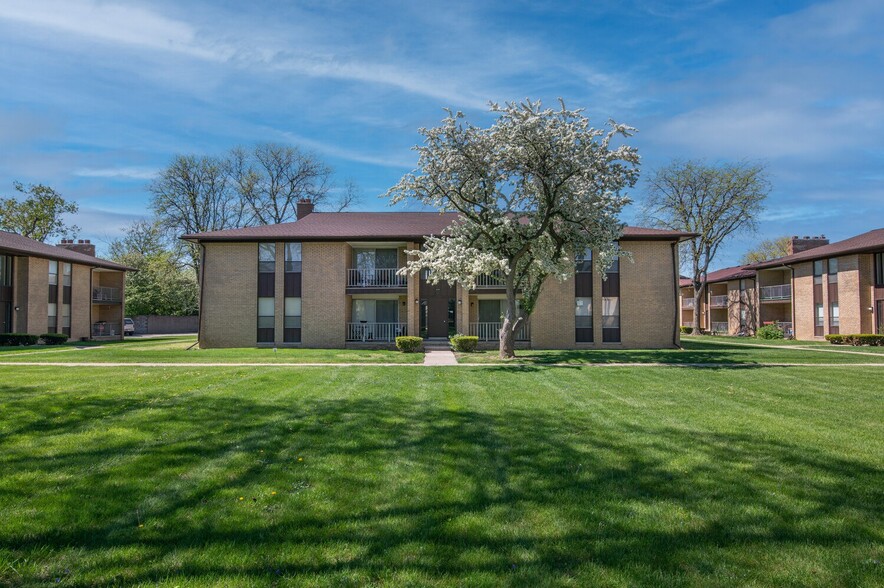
[81, 246]
[303, 208]
[799, 244]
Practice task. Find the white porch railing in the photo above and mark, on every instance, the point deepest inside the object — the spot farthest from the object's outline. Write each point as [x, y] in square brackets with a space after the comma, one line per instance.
[375, 278]
[105, 294]
[718, 301]
[374, 332]
[781, 292]
[491, 331]
[719, 327]
[106, 329]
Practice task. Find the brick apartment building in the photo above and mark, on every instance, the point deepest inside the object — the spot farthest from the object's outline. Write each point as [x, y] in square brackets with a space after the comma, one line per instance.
[820, 288]
[59, 289]
[330, 280]
[729, 306]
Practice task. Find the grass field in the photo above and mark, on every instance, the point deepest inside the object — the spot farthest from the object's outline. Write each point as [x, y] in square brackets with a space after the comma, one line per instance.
[722, 350]
[178, 350]
[402, 476]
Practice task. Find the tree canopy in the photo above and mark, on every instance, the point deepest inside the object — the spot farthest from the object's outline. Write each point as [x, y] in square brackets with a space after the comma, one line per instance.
[768, 249]
[40, 215]
[714, 201]
[531, 190]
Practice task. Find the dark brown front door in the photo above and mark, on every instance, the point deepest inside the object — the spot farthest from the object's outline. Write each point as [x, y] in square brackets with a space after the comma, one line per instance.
[435, 304]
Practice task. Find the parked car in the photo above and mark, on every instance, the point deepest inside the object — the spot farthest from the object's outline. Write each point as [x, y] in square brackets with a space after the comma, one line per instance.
[128, 327]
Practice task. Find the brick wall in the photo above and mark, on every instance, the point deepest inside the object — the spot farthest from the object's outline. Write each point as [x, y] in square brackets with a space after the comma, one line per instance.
[230, 295]
[802, 300]
[81, 302]
[38, 295]
[849, 296]
[866, 264]
[647, 303]
[324, 298]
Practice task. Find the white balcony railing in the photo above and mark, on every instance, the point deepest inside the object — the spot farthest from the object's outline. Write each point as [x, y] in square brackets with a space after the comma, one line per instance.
[687, 303]
[105, 294]
[492, 280]
[781, 292]
[106, 329]
[719, 327]
[718, 301]
[375, 278]
[491, 331]
[375, 332]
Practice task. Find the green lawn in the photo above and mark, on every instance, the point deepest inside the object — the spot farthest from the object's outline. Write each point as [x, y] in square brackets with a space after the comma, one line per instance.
[175, 350]
[397, 476]
[696, 350]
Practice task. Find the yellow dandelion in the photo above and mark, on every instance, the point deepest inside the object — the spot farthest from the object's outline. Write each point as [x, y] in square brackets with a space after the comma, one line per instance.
[240, 497]
[300, 459]
[274, 492]
[139, 526]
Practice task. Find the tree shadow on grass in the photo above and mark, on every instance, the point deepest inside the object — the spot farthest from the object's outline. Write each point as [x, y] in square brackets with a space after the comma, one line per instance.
[413, 492]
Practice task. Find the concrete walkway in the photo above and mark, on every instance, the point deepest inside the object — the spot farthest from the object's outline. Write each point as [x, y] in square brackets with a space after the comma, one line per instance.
[439, 357]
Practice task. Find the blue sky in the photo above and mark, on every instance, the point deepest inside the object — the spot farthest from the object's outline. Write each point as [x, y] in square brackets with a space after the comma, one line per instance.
[98, 95]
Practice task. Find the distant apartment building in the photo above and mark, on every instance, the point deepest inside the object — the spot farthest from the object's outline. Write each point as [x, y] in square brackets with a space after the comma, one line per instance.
[820, 288]
[332, 280]
[59, 289]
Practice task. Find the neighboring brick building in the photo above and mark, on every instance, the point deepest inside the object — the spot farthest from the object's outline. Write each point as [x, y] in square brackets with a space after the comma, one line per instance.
[59, 289]
[330, 280]
[828, 289]
[729, 303]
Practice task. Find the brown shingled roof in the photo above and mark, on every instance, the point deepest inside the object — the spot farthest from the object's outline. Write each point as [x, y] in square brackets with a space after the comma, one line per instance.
[340, 226]
[736, 272]
[19, 245]
[871, 241]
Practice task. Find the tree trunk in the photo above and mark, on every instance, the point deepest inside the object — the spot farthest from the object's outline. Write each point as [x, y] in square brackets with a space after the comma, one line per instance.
[510, 322]
[698, 297]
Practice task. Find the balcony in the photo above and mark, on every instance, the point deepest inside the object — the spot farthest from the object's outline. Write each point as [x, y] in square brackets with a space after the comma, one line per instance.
[780, 292]
[376, 278]
[375, 332]
[491, 331]
[104, 295]
[687, 303]
[492, 280]
[718, 301]
[719, 327]
[106, 329]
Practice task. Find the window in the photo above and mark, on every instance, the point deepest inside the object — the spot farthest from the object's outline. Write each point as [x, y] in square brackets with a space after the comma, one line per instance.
[833, 271]
[376, 267]
[292, 320]
[53, 273]
[6, 271]
[611, 304]
[584, 262]
[266, 319]
[52, 323]
[583, 320]
[833, 314]
[267, 257]
[818, 271]
[66, 319]
[66, 274]
[5, 293]
[879, 270]
[819, 315]
[292, 257]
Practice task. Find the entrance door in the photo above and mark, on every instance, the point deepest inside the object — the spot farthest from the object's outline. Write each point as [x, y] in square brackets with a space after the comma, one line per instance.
[437, 302]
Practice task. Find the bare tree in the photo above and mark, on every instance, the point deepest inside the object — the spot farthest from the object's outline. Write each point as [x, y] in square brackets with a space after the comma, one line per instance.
[194, 194]
[271, 179]
[348, 198]
[714, 201]
[768, 249]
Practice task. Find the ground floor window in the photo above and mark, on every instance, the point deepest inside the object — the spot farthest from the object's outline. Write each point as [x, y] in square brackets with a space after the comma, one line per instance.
[292, 321]
[583, 320]
[266, 319]
[834, 319]
[66, 319]
[611, 319]
[52, 322]
[374, 320]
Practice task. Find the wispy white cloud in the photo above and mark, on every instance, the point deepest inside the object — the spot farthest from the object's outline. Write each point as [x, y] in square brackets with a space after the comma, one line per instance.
[395, 161]
[126, 172]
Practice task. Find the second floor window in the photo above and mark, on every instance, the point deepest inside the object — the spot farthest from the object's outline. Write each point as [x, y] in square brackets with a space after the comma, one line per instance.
[267, 258]
[879, 270]
[818, 271]
[53, 273]
[833, 271]
[292, 257]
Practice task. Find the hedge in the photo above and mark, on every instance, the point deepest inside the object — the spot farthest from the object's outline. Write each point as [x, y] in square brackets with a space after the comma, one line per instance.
[18, 339]
[856, 340]
[769, 332]
[687, 330]
[464, 343]
[54, 338]
[409, 344]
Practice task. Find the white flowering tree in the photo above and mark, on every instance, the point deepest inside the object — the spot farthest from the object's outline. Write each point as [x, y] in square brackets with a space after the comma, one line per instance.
[530, 190]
